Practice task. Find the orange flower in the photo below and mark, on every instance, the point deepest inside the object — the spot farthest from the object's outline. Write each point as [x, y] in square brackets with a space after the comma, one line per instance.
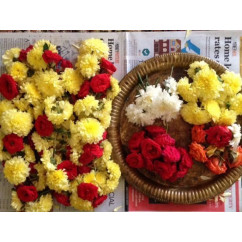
[216, 165]
[198, 134]
[198, 152]
[238, 160]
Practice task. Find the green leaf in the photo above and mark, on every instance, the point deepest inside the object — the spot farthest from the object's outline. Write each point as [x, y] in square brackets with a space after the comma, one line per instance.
[197, 69]
[15, 59]
[219, 79]
[45, 47]
[53, 161]
[228, 105]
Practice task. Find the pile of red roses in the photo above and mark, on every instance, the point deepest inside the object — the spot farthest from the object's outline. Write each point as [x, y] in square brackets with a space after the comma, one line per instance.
[153, 149]
[212, 147]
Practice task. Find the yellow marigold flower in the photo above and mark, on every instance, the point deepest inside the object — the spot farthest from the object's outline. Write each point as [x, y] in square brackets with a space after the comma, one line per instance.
[213, 109]
[18, 71]
[44, 204]
[80, 204]
[71, 80]
[40, 45]
[232, 83]
[195, 67]
[187, 92]
[207, 85]
[38, 110]
[94, 46]
[193, 114]
[90, 178]
[29, 154]
[89, 130]
[16, 202]
[21, 104]
[32, 94]
[236, 104]
[74, 156]
[86, 105]
[228, 117]
[87, 65]
[4, 156]
[47, 160]
[105, 121]
[58, 111]
[41, 143]
[112, 181]
[40, 184]
[48, 83]
[10, 56]
[17, 122]
[5, 105]
[16, 170]
[115, 89]
[57, 180]
[35, 59]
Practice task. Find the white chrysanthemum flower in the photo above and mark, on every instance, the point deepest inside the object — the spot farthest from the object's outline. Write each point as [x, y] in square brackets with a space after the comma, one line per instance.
[9, 57]
[171, 84]
[235, 129]
[167, 107]
[155, 103]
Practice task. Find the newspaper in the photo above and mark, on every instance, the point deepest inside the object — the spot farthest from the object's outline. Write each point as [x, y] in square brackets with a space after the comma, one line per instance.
[126, 51]
[64, 42]
[221, 46]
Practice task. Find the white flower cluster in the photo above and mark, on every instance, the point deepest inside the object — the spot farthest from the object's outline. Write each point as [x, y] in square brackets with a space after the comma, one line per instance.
[154, 103]
[235, 129]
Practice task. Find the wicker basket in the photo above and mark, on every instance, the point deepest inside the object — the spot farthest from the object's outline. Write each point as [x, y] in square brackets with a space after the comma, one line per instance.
[186, 191]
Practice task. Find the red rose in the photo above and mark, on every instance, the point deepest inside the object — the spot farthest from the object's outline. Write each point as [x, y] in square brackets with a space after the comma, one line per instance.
[148, 164]
[23, 53]
[150, 149]
[69, 167]
[66, 64]
[135, 141]
[108, 66]
[219, 136]
[13, 143]
[8, 87]
[100, 83]
[27, 193]
[87, 191]
[164, 170]
[50, 57]
[91, 152]
[99, 200]
[85, 89]
[186, 159]
[83, 169]
[179, 174]
[43, 126]
[135, 160]
[164, 140]
[171, 154]
[155, 130]
[62, 199]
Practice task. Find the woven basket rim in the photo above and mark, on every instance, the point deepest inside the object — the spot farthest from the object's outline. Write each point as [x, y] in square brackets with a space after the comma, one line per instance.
[135, 178]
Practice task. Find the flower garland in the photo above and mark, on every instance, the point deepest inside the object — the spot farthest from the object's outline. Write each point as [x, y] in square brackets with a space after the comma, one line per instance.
[207, 101]
[53, 138]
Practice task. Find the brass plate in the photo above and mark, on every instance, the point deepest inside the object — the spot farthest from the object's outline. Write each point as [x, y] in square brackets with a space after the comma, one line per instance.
[188, 190]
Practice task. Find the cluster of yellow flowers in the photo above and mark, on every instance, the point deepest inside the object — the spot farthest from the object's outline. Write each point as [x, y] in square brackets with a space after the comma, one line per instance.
[210, 97]
[53, 122]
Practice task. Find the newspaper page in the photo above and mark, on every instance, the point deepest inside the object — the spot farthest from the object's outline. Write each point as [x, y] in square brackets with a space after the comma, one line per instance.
[221, 46]
[64, 42]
